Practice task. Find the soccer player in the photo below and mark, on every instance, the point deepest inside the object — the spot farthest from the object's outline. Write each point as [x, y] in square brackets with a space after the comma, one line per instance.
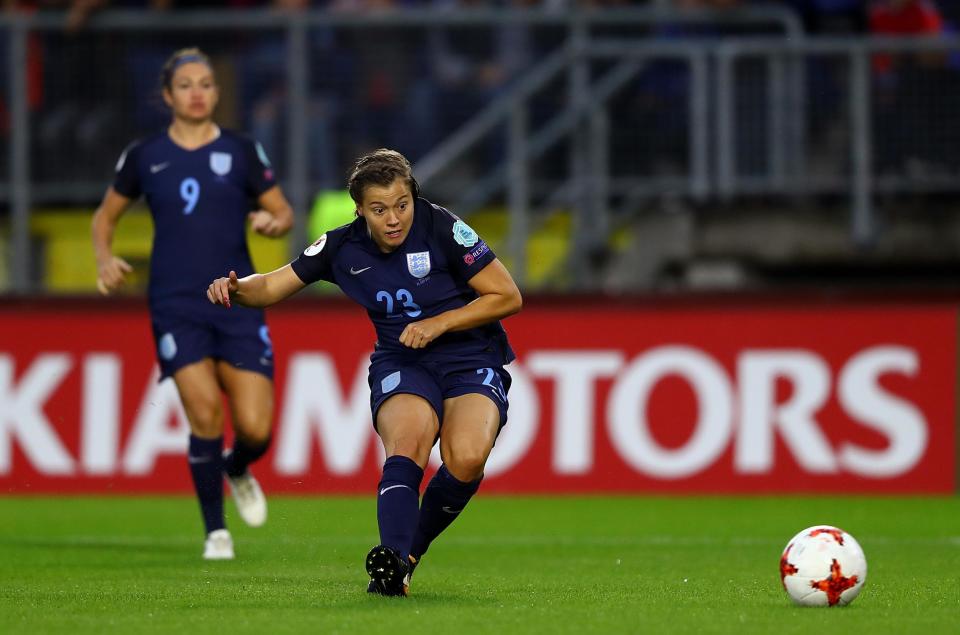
[199, 182]
[435, 294]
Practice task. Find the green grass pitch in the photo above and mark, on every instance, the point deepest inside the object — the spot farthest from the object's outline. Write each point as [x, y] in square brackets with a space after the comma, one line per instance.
[509, 565]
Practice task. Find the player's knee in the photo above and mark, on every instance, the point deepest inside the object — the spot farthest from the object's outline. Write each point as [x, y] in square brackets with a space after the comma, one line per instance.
[255, 436]
[465, 463]
[411, 442]
[412, 447]
[206, 417]
[253, 427]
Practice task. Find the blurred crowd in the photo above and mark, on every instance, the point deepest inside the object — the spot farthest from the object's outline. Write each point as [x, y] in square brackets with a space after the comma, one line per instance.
[409, 88]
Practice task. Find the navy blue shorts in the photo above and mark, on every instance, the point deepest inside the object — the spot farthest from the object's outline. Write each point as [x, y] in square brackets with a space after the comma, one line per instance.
[238, 337]
[436, 381]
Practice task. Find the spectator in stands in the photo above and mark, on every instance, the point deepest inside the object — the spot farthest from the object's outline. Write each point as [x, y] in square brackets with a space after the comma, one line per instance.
[912, 90]
[659, 100]
[838, 17]
[951, 13]
[34, 71]
[78, 106]
[163, 5]
[264, 100]
[381, 62]
[903, 18]
[467, 67]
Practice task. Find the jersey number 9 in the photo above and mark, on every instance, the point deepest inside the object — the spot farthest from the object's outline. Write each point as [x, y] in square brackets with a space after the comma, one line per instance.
[190, 193]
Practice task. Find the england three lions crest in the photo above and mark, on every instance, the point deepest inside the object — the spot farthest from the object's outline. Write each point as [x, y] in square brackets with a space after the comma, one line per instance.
[418, 264]
[221, 162]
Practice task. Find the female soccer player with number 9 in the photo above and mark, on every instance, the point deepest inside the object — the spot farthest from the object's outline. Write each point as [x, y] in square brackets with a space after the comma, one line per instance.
[199, 182]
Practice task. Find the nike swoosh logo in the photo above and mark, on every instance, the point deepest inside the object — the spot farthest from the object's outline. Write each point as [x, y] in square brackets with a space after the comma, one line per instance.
[387, 489]
[356, 271]
[159, 167]
[451, 511]
[193, 460]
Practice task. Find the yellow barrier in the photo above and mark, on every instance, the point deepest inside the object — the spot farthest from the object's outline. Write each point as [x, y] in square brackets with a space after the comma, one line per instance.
[546, 249]
[67, 252]
[63, 236]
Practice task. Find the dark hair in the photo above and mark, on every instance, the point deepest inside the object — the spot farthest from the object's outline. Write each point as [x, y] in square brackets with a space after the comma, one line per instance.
[178, 59]
[380, 167]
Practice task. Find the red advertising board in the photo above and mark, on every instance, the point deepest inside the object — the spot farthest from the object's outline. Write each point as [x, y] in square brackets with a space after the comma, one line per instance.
[842, 398]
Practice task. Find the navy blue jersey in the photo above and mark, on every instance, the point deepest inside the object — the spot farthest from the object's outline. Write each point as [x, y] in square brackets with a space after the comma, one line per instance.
[425, 276]
[199, 200]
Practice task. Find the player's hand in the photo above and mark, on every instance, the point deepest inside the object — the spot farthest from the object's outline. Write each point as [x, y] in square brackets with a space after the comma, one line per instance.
[419, 334]
[266, 224]
[222, 290]
[111, 274]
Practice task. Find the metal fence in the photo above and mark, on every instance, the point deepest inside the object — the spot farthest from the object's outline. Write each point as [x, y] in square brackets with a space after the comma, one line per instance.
[315, 87]
[871, 115]
[594, 112]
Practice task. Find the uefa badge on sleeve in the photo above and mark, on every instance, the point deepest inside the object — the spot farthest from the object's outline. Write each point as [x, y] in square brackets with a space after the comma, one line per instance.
[262, 155]
[464, 234]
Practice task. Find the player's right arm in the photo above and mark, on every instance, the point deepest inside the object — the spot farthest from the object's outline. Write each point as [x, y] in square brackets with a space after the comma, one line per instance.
[260, 290]
[111, 270]
[256, 290]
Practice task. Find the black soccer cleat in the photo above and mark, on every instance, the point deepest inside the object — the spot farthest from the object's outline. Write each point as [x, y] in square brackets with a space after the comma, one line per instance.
[389, 573]
[376, 587]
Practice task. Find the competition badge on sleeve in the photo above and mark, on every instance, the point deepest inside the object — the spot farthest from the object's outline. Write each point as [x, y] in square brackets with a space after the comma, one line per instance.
[316, 247]
[262, 155]
[464, 234]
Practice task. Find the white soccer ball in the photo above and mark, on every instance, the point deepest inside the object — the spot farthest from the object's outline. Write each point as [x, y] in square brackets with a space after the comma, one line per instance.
[823, 566]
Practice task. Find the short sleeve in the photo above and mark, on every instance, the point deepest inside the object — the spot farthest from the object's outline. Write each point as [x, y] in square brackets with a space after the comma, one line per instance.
[316, 262]
[466, 252]
[260, 176]
[126, 181]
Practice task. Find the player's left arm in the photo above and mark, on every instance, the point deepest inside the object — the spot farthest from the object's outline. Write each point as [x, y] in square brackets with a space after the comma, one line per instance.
[498, 298]
[275, 216]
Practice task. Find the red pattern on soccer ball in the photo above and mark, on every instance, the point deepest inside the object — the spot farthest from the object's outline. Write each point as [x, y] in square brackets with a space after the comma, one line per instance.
[785, 567]
[836, 533]
[835, 584]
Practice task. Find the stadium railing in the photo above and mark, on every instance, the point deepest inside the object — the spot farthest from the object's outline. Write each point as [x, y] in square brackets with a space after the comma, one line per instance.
[736, 116]
[20, 190]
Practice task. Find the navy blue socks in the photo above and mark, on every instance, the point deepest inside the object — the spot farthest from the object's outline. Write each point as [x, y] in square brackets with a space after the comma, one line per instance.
[398, 496]
[242, 455]
[206, 467]
[443, 501]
